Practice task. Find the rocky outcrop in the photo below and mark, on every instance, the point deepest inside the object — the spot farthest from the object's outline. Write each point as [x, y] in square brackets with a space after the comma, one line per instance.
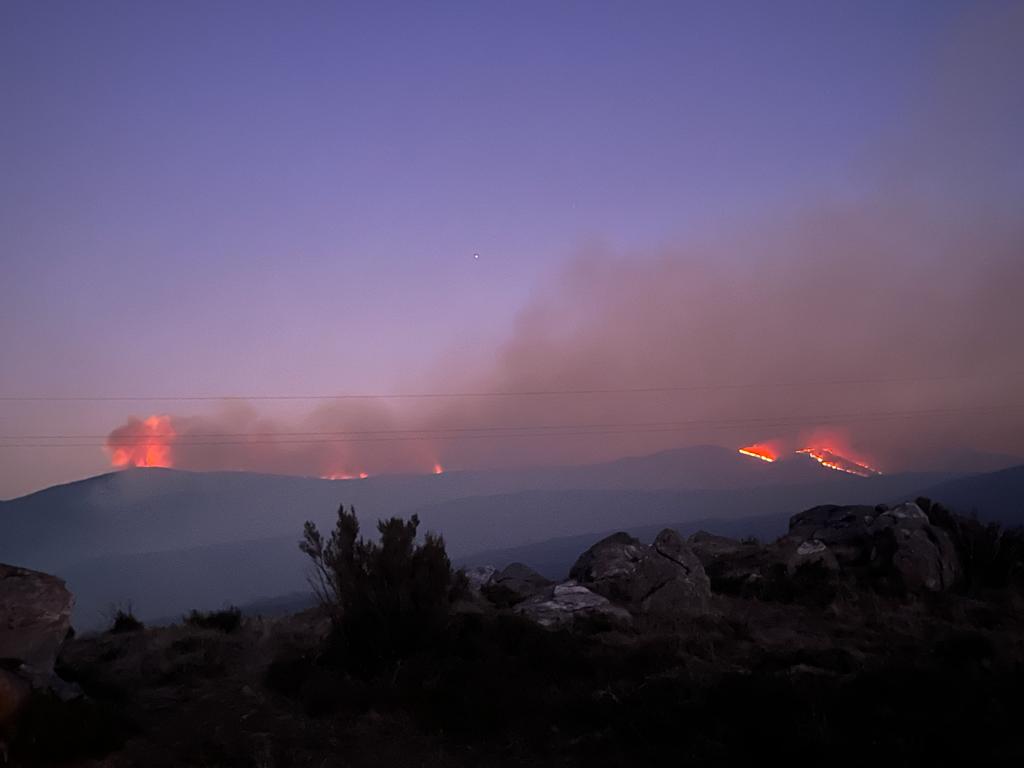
[921, 554]
[844, 530]
[35, 616]
[709, 547]
[898, 544]
[514, 584]
[810, 553]
[479, 577]
[569, 602]
[665, 578]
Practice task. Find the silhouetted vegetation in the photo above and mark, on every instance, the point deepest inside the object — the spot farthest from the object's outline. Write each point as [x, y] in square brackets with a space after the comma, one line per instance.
[990, 557]
[797, 665]
[227, 620]
[55, 732]
[124, 620]
[387, 600]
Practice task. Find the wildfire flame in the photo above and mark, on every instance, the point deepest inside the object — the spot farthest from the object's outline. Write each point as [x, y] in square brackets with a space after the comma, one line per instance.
[142, 443]
[830, 459]
[760, 451]
[345, 476]
[438, 469]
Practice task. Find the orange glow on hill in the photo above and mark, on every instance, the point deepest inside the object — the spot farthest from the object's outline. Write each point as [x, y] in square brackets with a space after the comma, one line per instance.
[438, 469]
[832, 460]
[761, 451]
[144, 443]
[345, 476]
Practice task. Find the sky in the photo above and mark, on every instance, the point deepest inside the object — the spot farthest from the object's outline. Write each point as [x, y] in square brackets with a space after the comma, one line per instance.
[283, 199]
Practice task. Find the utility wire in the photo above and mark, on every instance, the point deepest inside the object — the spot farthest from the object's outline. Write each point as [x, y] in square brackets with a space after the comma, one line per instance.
[496, 393]
[519, 427]
[526, 431]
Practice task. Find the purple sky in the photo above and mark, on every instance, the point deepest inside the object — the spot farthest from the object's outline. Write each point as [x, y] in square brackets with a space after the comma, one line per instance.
[286, 198]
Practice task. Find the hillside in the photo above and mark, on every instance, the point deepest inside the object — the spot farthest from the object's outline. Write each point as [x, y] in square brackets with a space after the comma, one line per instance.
[145, 510]
[703, 650]
[994, 497]
[144, 536]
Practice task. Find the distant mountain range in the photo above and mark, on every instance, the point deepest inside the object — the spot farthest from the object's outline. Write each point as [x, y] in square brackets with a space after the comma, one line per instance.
[169, 540]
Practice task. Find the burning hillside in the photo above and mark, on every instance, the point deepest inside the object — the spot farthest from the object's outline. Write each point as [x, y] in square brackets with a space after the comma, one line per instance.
[762, 451]
[264, 445]
[830, 452]
[832, 460]
[142, 443]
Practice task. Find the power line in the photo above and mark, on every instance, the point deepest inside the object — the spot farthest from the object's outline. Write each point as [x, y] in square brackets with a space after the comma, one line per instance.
[524, 431]
[495, 393]
[108, 438]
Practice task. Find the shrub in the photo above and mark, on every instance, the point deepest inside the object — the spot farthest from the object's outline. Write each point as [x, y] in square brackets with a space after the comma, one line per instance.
[386, 600]
[124, 620]
[227, 620]
[990, 557]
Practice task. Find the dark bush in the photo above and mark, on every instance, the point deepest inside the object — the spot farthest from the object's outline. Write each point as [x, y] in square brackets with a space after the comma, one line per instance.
[124, 621]
[990, 557]
[54, 732]
[227, 620]
[388, 600]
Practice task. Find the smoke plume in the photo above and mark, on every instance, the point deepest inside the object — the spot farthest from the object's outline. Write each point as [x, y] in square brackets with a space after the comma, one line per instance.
[888, 325]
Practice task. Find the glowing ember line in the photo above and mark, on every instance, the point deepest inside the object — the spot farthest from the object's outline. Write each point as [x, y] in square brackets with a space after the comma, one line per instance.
[832, 460]
[344, 476]
[764, 451]
[756, 455]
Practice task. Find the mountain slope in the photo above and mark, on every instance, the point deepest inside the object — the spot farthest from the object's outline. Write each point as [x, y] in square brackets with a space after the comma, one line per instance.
[170, 581]
[994, 496]
[144, 510]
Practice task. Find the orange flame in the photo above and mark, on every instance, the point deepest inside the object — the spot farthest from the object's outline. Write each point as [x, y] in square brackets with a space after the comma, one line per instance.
[344, 476]
[438, 469]
[145, 443]
[762, 451]
[832, 460]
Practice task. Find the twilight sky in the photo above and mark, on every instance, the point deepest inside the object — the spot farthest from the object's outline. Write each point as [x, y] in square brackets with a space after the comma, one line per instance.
[229, 198]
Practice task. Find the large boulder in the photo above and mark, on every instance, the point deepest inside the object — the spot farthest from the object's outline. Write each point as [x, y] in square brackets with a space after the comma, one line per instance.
[568, 602]
[844, 530]
[710, 548]
[810, 553]
[734, 567]
[921, 555]
[35, 616]
[665, 579]
[897, 544]
[609, 567]
[513, 584]
[479, 577]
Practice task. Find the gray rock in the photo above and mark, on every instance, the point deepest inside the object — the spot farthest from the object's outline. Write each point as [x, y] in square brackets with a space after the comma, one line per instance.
[515, 583]
[844, 530]
[708, 547]
[609, 567]
[923, 557]
[666, 578]
[810, 552]
[899, 541]
[566, 602]
[35, 615]
[479, 577]
[904, 516]
[676, 579]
